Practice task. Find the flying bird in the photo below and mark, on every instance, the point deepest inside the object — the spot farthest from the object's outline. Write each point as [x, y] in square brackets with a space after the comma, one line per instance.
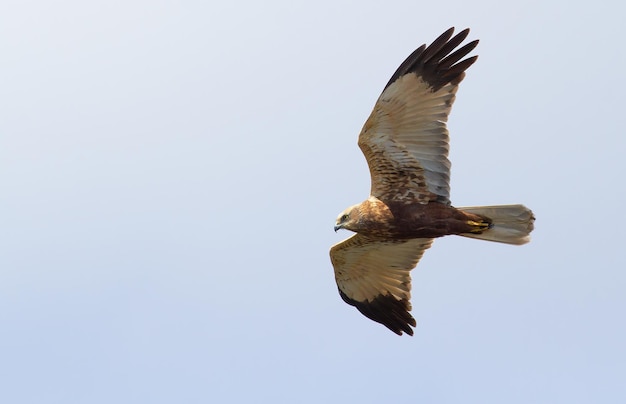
[405, 143]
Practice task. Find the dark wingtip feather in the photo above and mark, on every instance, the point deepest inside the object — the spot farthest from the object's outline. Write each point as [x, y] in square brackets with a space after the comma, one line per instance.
[386, 310]
[437, 45]
[439, 63]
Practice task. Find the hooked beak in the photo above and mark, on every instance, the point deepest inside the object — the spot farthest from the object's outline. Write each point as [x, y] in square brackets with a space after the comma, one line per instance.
[337, 227]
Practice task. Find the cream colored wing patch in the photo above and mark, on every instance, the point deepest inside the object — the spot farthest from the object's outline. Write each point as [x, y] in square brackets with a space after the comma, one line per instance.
[374, 276]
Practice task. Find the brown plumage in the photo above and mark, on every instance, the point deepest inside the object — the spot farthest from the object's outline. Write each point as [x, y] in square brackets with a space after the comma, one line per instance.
[405, 143]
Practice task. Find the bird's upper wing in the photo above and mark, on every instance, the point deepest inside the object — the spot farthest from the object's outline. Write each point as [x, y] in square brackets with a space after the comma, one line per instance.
[374, 276]
[405, 139]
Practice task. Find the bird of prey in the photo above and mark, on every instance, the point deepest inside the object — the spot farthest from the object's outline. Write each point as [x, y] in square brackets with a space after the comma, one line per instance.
[405, 143]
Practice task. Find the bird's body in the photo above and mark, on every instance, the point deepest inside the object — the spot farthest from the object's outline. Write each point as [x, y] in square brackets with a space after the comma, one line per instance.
[405, 143]
[375, 218]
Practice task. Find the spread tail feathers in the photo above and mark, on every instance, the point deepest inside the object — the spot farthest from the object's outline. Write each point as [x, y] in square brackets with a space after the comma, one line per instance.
[511, 224]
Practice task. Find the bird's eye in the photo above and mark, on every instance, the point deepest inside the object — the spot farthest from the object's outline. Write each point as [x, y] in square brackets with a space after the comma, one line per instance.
[344, 218]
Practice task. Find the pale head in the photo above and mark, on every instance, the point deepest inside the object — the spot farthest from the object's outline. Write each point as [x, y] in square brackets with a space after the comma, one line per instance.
[348, 219]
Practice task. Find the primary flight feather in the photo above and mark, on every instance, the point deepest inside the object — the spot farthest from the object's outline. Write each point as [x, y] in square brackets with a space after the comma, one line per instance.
[405, 143]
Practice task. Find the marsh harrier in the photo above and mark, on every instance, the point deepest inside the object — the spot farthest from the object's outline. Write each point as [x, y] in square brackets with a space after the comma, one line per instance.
[405, 143]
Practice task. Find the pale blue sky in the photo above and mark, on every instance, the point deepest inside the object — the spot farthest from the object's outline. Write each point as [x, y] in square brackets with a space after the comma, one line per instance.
[170, 173]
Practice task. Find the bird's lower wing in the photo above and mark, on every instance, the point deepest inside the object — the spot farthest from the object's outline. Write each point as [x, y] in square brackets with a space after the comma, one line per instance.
[374, 276]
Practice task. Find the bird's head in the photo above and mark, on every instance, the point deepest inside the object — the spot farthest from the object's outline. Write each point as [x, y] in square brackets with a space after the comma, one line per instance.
[348, 219]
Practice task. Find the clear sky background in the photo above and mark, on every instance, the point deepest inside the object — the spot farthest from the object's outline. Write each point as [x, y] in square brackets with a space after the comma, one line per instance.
[170, 173]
